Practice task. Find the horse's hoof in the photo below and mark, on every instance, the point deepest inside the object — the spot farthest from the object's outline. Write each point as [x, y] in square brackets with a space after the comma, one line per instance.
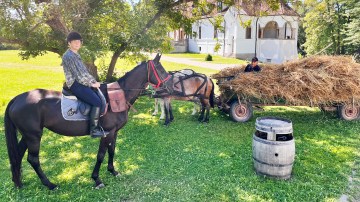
[18, 185]
[52, 187]
[115, 173]
[100, 186]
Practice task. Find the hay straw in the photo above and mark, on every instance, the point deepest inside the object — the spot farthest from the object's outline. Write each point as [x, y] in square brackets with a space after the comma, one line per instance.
[320, 80]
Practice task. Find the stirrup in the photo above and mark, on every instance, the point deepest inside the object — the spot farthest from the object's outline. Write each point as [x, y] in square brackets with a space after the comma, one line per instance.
[99, 129]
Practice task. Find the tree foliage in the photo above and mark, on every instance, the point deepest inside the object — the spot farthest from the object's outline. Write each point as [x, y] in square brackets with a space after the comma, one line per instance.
[330, 26]
[122, 27]
[352, 29]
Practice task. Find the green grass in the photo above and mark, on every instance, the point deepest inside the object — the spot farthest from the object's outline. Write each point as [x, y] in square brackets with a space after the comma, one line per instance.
[201, 57]
[187, 161]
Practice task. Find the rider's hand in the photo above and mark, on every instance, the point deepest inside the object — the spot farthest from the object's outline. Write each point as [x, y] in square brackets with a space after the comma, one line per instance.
[95, 85]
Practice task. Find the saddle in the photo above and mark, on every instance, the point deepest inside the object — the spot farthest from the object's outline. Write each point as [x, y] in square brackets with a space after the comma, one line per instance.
[74, 109]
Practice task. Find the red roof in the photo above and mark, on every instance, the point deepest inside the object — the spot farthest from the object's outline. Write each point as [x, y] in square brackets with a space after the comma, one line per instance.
[260, 8]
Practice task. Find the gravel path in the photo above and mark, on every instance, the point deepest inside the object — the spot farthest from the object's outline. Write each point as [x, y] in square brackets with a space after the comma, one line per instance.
[188, 61]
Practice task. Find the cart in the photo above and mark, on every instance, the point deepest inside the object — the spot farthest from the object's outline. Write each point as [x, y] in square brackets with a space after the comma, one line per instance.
[240, 109]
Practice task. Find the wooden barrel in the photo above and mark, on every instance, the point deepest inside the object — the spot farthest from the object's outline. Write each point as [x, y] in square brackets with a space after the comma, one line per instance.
[273, 147]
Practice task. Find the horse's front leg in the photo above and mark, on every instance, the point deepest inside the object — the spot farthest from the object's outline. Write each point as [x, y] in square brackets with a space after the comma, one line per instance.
[99, 160]
[207, 114]
[170, 112]
[194, 111]
[167, 112]
[156, 109]
[111, 151]
[201, 117]
[162, 107]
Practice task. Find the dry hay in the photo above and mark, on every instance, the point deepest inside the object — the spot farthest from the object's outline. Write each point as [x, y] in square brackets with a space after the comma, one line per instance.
[318, 80]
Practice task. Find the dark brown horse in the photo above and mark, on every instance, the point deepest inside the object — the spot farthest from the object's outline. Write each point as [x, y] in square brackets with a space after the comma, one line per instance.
[31, 111]
[190, 86]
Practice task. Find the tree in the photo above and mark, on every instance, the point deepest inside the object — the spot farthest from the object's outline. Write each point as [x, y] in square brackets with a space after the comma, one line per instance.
[352, 29]
[120, 27]
[325, 26]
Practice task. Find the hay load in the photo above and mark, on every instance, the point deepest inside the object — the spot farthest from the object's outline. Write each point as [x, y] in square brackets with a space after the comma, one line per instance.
[320, 80]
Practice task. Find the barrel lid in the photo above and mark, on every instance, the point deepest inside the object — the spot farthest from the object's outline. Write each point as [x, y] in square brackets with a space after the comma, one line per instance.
[274, 125]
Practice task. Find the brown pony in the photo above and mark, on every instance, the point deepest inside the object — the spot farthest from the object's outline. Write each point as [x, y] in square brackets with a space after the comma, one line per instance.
[190, 86]
[31, 112]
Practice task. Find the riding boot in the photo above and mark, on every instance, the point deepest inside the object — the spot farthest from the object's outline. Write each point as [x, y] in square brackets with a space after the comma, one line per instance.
[95, 129]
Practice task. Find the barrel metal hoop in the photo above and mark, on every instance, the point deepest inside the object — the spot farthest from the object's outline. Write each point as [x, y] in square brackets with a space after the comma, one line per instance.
[273, 165]
[275, 176]
[279, 143]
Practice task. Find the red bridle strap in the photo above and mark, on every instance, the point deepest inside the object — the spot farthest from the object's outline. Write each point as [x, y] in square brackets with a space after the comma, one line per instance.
[158, 79]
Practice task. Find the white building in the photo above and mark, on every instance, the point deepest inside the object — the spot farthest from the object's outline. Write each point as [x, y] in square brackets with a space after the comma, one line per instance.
[271, 38]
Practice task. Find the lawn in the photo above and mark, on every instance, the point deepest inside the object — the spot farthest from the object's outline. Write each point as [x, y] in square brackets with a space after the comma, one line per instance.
[201, 58]
[186, 161]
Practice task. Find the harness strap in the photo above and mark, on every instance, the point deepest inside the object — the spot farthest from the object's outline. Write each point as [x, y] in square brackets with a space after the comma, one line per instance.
[159, 81]
[183, 78]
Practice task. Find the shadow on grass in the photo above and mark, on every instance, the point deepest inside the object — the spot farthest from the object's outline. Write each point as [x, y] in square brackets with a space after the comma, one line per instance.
[190, 161]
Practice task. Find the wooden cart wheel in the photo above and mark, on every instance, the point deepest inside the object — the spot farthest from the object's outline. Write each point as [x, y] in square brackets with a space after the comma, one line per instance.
[240, 113]
[348, 112]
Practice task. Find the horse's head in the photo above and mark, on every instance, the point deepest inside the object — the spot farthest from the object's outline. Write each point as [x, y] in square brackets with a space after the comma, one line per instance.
[157, 75]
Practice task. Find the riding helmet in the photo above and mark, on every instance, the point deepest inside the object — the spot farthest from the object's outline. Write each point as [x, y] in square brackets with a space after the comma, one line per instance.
[73, 36]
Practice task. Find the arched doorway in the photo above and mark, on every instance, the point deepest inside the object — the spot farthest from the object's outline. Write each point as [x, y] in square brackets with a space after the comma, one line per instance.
[271, 30]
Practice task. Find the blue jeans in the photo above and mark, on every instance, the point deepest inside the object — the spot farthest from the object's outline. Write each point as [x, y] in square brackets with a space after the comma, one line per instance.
[85, 94]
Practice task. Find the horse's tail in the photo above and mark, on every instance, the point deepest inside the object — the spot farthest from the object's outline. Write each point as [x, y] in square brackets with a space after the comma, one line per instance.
[212, 94]
[12, 146]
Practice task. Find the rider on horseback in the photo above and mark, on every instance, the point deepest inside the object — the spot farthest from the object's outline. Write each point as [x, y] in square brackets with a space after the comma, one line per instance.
[80, 82]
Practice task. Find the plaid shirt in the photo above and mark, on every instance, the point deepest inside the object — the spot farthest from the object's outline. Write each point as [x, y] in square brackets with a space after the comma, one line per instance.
[75, 70]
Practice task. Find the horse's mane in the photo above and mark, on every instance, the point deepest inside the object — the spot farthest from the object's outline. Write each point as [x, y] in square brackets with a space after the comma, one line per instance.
[121, 79]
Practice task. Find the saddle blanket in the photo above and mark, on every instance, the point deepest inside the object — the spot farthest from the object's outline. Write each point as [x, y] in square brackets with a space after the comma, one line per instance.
[73, 109]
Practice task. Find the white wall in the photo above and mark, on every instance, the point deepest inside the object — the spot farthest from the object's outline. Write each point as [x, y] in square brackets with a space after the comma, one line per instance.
[276, 51]
[207, 42]
[243, 45]
[234, 42]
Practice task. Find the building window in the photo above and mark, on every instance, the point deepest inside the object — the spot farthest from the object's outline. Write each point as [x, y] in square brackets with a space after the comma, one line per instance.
[200, 32]
[248, 33]
[271, 30]
[288, 31]
[215, 33]
[219, 6]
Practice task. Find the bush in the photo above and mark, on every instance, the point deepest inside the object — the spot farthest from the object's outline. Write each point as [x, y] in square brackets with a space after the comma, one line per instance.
[208, 58]
[102, 71]
[8, 46]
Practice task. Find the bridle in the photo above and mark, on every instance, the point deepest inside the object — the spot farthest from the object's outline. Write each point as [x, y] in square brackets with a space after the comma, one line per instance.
[160, 80]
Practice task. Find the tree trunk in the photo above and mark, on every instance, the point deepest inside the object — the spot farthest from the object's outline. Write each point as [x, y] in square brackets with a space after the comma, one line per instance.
[113, 61]
[123, 47]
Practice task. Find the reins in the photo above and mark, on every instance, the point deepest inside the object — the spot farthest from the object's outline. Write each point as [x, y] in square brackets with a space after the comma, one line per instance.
[159, 79]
